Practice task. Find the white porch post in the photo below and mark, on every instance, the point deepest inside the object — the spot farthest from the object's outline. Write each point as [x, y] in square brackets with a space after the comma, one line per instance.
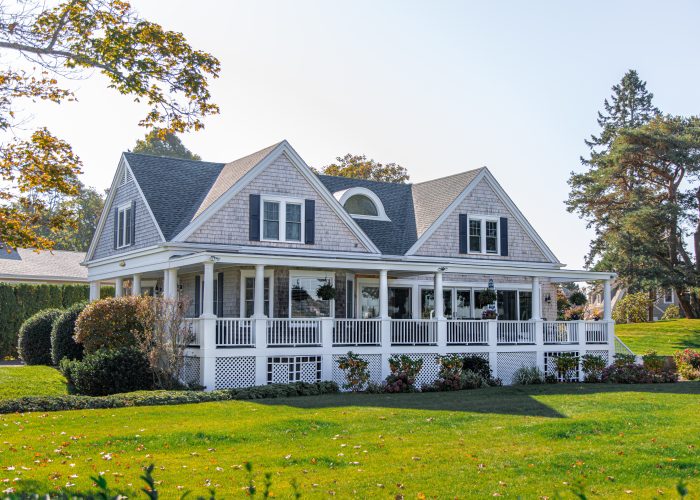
[94, 290]
[385, 321]
[118, 287]
[607, 301]
[440, 310]
[208, 322]
[136, 285]
[171, 290]
[166, 283]
[537, 321]
[536, 299]
[260, 326]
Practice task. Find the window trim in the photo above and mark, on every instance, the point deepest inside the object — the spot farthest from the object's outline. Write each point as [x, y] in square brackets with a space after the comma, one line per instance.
[121, 231]
[282, 222]
[250, 273]
[300, 273]
[344, 195]
[668, 301]
[482, 220]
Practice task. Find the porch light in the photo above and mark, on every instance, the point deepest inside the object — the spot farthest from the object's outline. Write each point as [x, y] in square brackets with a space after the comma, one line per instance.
[547, 298]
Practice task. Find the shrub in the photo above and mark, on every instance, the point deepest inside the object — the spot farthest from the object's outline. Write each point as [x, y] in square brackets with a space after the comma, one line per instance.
[592, 367]
[403, 374]
[34, 344]
[62, 343]
[672, 311]
[528, 375]
[574, 313]
[473, 380]
[566, 364]
[633, 373]
[688, 363]
[578, 298]
[477, 364]
[621, 359]
[454, 374]
[653, 362]
[112, 323]
[632, 308]
[109, 371]
[356, 371]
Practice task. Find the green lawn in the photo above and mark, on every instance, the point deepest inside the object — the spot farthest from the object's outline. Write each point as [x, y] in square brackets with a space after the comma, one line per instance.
[664, 337]
[620, 441]
[19, 381]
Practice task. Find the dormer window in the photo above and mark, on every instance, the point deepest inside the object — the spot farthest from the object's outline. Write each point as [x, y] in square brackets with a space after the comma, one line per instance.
[361, 203]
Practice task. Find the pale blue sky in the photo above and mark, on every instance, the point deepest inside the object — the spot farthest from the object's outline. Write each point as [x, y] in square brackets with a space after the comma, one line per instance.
[439, 87]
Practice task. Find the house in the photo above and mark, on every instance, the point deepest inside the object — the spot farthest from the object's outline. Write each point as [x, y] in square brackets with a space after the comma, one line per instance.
[250, 243]
[664, 297]
[58, 267]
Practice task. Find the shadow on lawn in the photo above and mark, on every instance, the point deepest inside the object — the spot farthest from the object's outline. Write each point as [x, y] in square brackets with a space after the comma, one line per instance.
[513, 400]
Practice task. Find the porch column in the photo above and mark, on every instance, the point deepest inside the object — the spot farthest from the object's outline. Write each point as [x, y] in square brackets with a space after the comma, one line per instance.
[259, 322]
[385, 323]
[118, 287]
[207, 345]
[166, 283]
[440, 310]
[94, 290]
[536, 299]
[136, 285]
[383, 294]
[259, 297]
[171, 290]
[607, 301]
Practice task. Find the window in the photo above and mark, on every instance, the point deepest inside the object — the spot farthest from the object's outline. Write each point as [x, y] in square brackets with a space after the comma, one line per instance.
[475, 236]
[491, 236]
[483, 235]
[668, 296]
[360, 204]
[282, 219]
[247, 293]
[369, 302]
[124, 230]
[427, 300]
[304, 301]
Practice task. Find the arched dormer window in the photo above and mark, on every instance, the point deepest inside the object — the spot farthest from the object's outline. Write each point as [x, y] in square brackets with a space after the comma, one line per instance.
[361, 203]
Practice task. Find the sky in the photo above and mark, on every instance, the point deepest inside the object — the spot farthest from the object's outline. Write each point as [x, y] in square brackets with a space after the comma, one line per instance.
[439, 87]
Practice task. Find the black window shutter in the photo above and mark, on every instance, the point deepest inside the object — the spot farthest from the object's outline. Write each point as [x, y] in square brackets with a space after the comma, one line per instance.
[463, 233]
[133, 222]
[504, 236]
[197, 296]
[220, 295]
[309, 221]
[116, 228]
[254, 220]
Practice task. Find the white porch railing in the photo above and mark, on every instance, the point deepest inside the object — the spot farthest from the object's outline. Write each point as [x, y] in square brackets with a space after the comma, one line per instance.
[467, 332]
[596, 332]
[357, 332]
[560, 332]
[515, 332]
[621, 347]
[293, 332]
[234, 332]
[413, 332]
[194, 328]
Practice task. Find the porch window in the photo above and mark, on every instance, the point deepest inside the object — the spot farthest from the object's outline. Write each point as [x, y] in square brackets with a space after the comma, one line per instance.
[369, 302]
[507, 304]
[271, 220]
[400, 303]
[491, 236]
[249, 299]
[463, 304]
[304, 301]
[525, 304]
[475, 235]
[124, 222]
[427, 300]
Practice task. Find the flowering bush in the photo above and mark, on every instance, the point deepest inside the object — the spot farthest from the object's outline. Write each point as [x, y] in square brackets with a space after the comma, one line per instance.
[653, 362]
[688, 363]
[403, 374]
[621, 359]
[593, 367]
[112, 323]
[457, 373]
[356, 371]
[672, 312]
[593, 313]
[574, 313]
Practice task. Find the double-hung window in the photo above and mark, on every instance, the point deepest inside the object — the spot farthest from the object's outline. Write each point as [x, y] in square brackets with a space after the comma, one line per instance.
[282, 219]
[124, 221]
[483, 235]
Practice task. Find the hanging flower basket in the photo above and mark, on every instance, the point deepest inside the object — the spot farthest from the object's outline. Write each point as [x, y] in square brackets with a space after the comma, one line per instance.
[326, 291]
[486, 297]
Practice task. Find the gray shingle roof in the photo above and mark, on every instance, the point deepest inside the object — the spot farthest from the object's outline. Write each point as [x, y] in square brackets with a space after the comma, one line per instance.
[26, 264]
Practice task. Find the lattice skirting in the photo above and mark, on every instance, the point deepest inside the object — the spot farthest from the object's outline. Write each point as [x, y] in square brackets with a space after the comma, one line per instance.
[286, 369]
[191, 370]
[509, 362]
[603, 354]
[374, 365]
[551, 369]
[235, 372]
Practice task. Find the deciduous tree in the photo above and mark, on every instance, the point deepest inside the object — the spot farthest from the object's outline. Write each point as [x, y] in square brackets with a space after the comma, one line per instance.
[359, 167]
[170, 145]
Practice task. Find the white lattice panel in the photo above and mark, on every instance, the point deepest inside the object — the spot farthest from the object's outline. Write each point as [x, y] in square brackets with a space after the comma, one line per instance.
[235, 372]
[551, 369]
[308, 373]
[374, 365]
[509, 362]
[286, 369]
[280, 373]
[429, 372]
[603, 354]
[191, 370]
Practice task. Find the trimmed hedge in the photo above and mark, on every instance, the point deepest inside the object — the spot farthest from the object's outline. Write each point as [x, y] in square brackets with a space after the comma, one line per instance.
[62, 343]
[34, 343]
[162, 398]
[19, 301]
[113, 323]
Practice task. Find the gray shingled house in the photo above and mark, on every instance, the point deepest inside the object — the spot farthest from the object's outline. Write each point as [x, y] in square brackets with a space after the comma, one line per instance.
[286, 270]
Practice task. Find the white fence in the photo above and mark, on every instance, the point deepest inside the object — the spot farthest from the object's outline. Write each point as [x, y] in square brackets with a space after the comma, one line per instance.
[293, 332]
[234, 332]
[560, 332]
[467, 332]
[350, 332]
[515, 332]
[596, 332]
[413, 332]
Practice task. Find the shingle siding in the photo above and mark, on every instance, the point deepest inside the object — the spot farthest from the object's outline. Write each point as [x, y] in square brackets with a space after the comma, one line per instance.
[482, 200]
[146, 231]
[230, 224]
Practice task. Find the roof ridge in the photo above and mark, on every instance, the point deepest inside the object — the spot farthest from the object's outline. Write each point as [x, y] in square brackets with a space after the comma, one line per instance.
[270, 147]
[451, 175]
[171, 158]
[367, 180]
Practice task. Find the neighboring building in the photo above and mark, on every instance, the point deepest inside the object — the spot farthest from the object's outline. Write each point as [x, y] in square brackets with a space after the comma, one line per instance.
[250, 243]
[664, 298]
[26, 265]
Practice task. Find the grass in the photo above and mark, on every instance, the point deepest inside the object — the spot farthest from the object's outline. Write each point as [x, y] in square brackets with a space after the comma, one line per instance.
[664, 337]
[532, 441]
[19, 381]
